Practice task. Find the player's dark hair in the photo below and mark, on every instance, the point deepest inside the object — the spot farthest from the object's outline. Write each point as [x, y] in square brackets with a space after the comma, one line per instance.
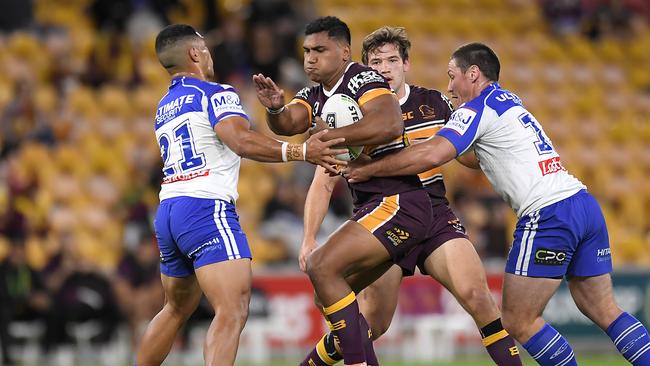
[386, 35]
[480, 55]
[171, 35]
[334, 27]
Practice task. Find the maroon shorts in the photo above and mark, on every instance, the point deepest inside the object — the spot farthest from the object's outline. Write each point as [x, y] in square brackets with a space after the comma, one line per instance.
[400, 222]
[444, 226]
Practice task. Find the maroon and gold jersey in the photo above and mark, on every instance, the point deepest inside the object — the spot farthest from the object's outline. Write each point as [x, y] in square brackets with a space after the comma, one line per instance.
[362, 84]
[425, 111]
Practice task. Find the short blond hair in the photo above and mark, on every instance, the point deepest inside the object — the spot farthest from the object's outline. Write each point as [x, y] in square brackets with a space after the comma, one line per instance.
[386, 35]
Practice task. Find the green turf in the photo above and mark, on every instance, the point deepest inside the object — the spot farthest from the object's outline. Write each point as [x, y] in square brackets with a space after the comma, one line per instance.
[591, 360]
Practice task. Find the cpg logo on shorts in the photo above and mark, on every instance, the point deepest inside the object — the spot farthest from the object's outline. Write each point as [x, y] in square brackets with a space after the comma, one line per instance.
[549, 257]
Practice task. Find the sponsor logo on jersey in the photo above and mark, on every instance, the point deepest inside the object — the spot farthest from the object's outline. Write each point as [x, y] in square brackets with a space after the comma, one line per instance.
[461, 120]
[225, 102]
[550, 166]
[363, 78]
[427, 111]
[397, 235]
[170, 109]
[549, 257]
[407, 115]
[446, 100]
[304, 93]
[185, 177]
[508, 96]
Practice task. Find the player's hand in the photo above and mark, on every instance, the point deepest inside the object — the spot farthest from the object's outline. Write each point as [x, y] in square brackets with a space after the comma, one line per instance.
[308, 246]
[318, 125]
[322, 152]
[359, 170]
[269, 94]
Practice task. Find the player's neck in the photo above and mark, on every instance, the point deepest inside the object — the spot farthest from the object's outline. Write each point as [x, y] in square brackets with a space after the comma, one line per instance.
[479, 87]
[191, 74]
[401, 91]
[329, 84]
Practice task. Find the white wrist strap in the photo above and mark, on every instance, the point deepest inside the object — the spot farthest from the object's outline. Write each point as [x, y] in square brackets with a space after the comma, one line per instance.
[284, 150]
[275, 111]
[304, 151]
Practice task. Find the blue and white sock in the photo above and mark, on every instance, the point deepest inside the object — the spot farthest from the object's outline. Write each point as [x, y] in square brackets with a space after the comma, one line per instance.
[548, 347]
[631, 339]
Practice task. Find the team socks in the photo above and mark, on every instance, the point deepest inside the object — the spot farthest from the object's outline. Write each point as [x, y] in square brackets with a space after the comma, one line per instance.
[549, 348]
[631, 339]
[500, 345]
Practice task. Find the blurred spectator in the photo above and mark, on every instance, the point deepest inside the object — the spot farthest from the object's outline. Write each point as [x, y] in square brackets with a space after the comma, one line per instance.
[610, 18]
[80, 296]
[16, 14]
[137, 284]
[23, 295]
[564, 16]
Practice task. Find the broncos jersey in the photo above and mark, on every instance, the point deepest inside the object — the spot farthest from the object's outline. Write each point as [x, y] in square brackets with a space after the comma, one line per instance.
[425, 112]
[196, 163]
[362, 84]
[514, 152]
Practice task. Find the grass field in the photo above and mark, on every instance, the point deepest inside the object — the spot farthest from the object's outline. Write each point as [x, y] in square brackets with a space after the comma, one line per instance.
[586, 360]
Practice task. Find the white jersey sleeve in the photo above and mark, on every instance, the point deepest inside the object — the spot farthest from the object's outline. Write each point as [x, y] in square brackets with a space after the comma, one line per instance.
[513, 150]
[196, 162]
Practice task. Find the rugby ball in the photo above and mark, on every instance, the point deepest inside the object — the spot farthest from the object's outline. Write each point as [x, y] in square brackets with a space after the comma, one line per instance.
[341, 110]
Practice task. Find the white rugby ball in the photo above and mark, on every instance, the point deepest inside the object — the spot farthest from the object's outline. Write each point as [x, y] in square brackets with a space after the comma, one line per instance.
[341, 110]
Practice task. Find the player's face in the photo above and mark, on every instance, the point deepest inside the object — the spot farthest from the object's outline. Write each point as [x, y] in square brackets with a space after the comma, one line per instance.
[324, 56]
[460, 86]
[205, 59]
[387, 61]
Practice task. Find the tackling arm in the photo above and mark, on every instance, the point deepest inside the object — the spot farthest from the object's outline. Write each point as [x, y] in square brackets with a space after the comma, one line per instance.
[412, 160]
[236, 133]
[469, 159]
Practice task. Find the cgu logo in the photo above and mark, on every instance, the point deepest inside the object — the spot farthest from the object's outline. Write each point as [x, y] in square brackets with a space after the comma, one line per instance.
[508, 96]
[550, 166]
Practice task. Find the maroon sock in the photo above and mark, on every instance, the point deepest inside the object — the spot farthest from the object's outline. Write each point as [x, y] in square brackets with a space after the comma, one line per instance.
[343, 317]
[500, 345]
[371, 358]
[324, 354]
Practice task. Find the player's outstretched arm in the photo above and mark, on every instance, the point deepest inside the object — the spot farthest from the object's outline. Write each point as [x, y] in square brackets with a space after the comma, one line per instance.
[414, 159]
[236, 133]
[381, 123]
[316, 205]
[286, 120]
[469, 159]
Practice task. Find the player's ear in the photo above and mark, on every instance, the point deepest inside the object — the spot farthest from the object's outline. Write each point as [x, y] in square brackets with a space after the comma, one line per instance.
[194, 54]
[473, 73]
[407, 65]
[346, 53]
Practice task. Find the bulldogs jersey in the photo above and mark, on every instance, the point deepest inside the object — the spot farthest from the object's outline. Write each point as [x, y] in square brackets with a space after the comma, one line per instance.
[425, 112]
[196, 163]
[362, 84]
[514, 152]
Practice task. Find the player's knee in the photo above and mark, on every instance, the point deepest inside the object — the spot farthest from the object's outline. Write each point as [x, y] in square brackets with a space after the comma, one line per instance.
[476, 299]
[515, 324]
[315, 267]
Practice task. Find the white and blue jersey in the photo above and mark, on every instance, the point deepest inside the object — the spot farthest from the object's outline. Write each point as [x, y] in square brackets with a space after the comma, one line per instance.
[196, 223]
[555, 236]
